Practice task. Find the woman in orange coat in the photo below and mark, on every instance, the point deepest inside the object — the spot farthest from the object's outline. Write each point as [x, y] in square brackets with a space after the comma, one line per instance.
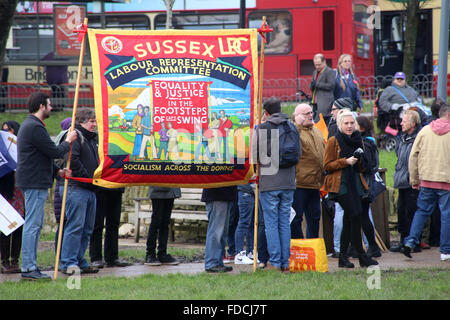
[343, 163]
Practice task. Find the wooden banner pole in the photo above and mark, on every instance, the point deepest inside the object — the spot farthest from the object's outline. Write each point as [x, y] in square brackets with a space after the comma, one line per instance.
[72, 127]
[257, 170]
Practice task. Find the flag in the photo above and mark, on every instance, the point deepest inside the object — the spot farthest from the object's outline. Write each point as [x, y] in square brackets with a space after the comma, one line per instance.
[174, 108]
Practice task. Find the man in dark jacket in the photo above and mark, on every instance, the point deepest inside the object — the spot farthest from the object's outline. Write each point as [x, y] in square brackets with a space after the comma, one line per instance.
[35, 173]
[219, 203]
[407, 196]
[81, 202]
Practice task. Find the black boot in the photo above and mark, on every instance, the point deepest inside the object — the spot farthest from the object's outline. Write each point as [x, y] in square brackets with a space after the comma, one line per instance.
[365, 261]
[373, 251]
[344, 262]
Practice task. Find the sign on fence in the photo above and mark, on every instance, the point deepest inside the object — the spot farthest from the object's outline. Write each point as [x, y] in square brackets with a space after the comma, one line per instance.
[174, 107]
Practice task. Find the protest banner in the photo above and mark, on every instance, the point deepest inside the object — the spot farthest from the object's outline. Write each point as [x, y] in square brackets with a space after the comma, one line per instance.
[10, 219]
[174, 107]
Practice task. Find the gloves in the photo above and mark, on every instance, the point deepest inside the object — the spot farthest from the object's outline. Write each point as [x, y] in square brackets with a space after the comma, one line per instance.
[313, 85]
[395, 106]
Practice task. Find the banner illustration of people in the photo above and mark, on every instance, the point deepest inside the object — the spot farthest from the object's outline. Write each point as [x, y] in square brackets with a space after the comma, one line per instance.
[174, 107]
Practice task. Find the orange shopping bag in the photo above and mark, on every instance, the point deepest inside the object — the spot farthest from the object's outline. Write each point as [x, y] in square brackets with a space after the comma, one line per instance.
[308, 255]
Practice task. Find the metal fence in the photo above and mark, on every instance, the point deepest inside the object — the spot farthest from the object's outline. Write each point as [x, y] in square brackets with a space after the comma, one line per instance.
[15, 95]
[288, 89]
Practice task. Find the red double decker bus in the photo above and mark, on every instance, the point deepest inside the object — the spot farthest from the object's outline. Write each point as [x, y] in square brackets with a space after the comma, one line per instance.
[302, 28]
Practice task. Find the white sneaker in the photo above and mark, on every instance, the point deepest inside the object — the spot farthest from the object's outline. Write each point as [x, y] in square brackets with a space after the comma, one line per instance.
[250, 255]
[241, 258]
[445, 256]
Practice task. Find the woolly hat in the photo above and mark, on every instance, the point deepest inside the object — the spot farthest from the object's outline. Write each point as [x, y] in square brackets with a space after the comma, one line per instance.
[272, 105]
[342, 103]
[66, 123]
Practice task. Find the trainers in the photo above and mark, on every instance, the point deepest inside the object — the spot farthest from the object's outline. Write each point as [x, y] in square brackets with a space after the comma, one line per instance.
[35, 275]
[118, 263]
[250, 255]
[445, 256]
[242, 258]
[407, 251]
[424, 245]
[228, 259]
[168, 259]
[98, 264]
[152, 261]
[219, 269]
[89, 269]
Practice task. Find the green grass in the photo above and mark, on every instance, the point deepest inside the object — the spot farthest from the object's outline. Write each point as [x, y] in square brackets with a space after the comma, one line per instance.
[388, 161]
[262, 285]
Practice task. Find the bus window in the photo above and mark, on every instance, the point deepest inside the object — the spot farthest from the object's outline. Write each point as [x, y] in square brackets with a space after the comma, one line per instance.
[124, 22]
[26, 41]
[360, 13]
[280, 40]
[328, 29]
[199, 21]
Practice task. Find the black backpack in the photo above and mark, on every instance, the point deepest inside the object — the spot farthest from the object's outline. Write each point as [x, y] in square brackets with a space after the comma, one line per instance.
[289, 145]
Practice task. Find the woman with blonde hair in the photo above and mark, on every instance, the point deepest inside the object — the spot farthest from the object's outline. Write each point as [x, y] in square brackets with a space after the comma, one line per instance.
[346, 82]
[344, 162]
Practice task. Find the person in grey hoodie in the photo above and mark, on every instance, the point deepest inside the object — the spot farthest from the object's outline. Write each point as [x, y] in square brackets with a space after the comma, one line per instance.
[407, 196]
[276, 186]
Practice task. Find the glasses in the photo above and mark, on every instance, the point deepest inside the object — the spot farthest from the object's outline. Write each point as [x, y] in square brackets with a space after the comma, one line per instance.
[305, 114]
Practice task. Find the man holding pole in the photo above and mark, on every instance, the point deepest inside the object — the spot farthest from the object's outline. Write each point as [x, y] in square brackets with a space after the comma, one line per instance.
[81, 205]
[35, 173]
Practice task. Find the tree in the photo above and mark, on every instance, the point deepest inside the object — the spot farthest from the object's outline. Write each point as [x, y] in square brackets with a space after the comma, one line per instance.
[412, 17]
[7, 10]
[169, 6]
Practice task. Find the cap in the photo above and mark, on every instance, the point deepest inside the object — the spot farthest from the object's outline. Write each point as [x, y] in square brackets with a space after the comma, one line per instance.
[400, 75]
[342, 103]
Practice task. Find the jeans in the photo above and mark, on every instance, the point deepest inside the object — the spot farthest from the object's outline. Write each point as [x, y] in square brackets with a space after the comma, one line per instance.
[232, 225]
[263, 253]
[80, 209]
[276, 207]
[337, 227]
[34, 220]
[245, 227]
[163, 146]
[218, 216]
[428, 198]
[307, 201]
[198, 149]
[109, 205]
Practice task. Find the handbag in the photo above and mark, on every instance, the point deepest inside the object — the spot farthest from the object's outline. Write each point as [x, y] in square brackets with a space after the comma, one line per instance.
[378, 185]
[308, 255]
[391, 131]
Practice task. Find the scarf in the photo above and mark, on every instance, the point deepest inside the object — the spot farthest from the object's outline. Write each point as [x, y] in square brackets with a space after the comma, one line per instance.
[348, 146]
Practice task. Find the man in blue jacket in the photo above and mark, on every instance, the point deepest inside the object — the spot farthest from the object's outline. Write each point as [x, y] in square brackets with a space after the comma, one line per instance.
[35, 173]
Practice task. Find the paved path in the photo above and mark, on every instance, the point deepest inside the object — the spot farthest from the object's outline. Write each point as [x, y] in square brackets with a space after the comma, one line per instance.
[389, 261]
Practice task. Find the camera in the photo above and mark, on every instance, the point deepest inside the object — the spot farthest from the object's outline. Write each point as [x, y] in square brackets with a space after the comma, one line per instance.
[358, 153]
